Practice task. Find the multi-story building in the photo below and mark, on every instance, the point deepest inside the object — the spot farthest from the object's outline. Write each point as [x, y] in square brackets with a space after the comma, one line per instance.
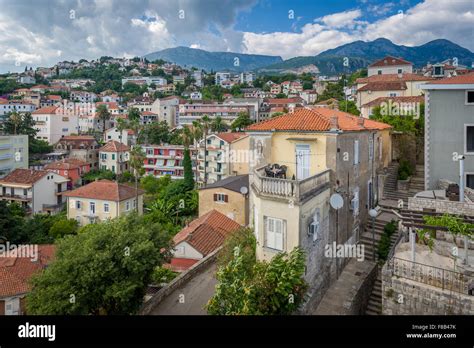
[247, 78]
[164, 160]
[13, 153]
[70, 168]
[222, 155]
[197, 76]
[449, 129]
[318, 151]
[389, 85]
[179, 79]
[390, 65]
[35, 190]
[221, 77]
[7, 106]
[83, 96]
[82, 147]
[145, 80]
[167, 109]
[127, 136]
[102, 200]
[53, 123]
[114, 156]
[228, 111]
[228, 196]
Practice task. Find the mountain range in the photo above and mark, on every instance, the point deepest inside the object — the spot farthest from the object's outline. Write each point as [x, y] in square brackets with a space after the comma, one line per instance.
[359, 54]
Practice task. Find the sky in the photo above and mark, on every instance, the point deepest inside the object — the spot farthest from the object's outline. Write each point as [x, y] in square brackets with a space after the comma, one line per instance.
[43, 32]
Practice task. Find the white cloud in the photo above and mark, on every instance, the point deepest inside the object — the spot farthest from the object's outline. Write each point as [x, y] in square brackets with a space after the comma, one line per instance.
[341, 19]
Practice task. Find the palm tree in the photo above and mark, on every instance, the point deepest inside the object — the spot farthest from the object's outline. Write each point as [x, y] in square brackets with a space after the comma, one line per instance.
[218, 125]
[206, 124]
[197, 134]
[103, 114]
[137, 157]
[16, 119]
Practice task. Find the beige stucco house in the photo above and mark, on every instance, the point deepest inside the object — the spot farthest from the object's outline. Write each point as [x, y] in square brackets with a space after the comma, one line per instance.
[114, 156]
[101, 200]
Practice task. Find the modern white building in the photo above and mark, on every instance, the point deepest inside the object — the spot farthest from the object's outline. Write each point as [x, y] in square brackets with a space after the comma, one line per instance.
[52, 123]
[222, 77]
[13, 153]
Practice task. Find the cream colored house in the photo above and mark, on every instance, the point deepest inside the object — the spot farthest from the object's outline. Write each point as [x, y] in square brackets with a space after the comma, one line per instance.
[226, 154]
[229, 197]
[322, 151]
[114, 156]
[389, 85]
[390, 65]
[101, 200]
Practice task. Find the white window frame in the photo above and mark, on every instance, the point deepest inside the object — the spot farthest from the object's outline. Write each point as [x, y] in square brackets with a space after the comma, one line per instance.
[465, 138]
[355, 202]
[467, 91]
[220, 197]
[271, 241]
[356, 152]
[106, 208]
[92, 204]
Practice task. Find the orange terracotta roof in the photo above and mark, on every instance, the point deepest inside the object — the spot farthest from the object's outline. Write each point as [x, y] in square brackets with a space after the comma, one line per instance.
[114, 146]
[316, 119]
[149, 113]
[466, 79]
[208, 232]
[45, 110]
[384, 86]
[180, 264]
[65, 164]
[231, 136]
[279, 101]
[15, 272]
[23, 176]
[380, 100]
[389, 61]
[105, 190]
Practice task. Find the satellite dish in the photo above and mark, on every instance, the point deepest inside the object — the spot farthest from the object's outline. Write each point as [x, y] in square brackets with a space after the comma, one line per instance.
[336, 201]
[244, 190]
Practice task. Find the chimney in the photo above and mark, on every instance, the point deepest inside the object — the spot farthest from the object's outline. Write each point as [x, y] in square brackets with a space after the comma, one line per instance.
[333, 121]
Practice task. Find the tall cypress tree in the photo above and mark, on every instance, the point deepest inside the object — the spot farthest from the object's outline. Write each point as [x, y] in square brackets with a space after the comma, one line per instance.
[188, 170]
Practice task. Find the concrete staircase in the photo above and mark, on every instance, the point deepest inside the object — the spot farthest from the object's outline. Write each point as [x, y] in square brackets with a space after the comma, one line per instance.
[417, 183]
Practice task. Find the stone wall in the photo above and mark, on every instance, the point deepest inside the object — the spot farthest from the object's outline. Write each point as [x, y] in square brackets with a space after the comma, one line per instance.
[420, 299]
[441, 206]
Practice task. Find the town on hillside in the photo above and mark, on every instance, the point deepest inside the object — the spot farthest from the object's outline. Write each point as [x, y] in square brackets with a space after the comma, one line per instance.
[142, 186]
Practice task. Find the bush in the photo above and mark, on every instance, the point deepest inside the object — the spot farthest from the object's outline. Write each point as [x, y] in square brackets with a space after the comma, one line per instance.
[404, 170]
[384, 245]
[162, 275]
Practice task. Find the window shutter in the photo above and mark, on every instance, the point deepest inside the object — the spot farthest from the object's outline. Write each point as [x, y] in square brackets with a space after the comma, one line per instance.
[226, 198]
[215, 197]
[356, 151]
[278, 234]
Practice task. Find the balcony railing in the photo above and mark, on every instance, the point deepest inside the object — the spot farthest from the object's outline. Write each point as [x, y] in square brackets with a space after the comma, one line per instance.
[430, 275]
[297, 189]
[15, 197]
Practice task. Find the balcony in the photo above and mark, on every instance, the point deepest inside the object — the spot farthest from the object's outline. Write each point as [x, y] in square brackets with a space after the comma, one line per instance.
[6, 156]
[290, 189]
[13, 197]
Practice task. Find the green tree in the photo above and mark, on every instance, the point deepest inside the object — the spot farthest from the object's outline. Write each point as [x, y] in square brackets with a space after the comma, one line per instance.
[11, 221]
[137, 157]
[99, 175]
[63, 227]
[106, 267]
[104, 115]
[268, 288]
[218, 125]
[241, 122]
[133, 114]
[349, 106]
[187, 163]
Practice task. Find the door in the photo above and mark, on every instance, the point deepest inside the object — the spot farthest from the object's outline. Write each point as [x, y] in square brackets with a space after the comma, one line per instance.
[92, 208]
[302, 161]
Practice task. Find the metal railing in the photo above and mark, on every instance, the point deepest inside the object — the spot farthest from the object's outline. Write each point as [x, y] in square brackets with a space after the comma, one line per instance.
[431, 275]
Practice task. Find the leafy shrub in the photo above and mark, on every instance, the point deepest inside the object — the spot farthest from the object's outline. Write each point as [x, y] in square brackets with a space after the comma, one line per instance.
[384, 245]
[162, 275]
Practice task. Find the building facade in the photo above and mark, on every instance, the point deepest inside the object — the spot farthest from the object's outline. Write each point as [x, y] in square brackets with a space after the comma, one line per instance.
[13, 153]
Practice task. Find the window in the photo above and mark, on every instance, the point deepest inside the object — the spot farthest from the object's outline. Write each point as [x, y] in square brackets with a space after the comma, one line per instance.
[113, 157]
[355, 203]
[469, 139]
[470, 180]
[78, 205]
[127, 205]
[356, 151]
[92, 207]
[134, 203]
[379, 72]
[371, 147]
[106, 208]
[313, 227]
[399, 71]
[470, 97]
[274, 233]
[221, 198]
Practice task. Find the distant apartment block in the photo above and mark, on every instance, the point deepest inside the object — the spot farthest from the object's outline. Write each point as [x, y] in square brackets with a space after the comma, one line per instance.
[53, 123]
[13, 153]
[145, 80]
[390, 65]
[227, 111]
[164, 160]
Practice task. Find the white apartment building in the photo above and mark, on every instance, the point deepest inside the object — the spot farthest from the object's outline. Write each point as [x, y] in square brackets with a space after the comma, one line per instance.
[34, 190]
[7, 106]
[83, 96]
[247, 78]
[390, 65]
[145, 80]
[167, 109]
[13, 153]
[53, 123]
[222, 77]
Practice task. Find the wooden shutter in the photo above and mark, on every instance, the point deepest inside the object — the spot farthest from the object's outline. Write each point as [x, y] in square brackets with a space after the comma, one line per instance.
[215, 197]
[226, 198]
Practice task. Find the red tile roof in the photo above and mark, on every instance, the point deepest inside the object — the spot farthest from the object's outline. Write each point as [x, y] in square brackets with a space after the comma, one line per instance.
[316, 119]
[105, 190]
[208, 232]
[180, 264]
[23, 176]
[45, 110]
[281, 101]
[114, 146]
[380, 100]
[384, 86]
[15, 272]
[230, 137]
[466, 79]
[65, 164]
[389, 61]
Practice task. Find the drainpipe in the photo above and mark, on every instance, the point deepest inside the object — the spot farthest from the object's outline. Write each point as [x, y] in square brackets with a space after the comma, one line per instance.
[461, 178]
